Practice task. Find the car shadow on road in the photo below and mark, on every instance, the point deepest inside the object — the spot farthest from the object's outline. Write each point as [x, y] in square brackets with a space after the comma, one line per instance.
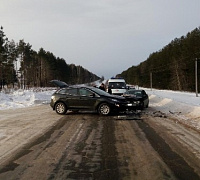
[134, 115]
[128, 117]
[82, 112]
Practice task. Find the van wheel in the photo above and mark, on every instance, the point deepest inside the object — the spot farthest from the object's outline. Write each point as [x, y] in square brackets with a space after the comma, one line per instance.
[104, 109]
[61, 108]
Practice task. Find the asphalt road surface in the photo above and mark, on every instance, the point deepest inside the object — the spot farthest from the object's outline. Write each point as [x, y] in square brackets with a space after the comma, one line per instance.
[84, 145]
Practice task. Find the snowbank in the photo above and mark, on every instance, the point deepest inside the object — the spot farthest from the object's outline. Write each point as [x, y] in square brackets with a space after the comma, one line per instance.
[24, 98]
[182, 105]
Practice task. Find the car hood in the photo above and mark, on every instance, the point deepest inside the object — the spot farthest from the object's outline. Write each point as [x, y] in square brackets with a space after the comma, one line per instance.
[117, 97]
[113, 97]
[58, 83]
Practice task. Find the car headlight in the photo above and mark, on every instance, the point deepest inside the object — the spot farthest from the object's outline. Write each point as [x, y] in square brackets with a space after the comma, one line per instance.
[136, 102]
[52, 97]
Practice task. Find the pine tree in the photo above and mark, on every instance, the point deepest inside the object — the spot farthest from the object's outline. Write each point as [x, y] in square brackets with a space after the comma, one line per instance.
[3, 57]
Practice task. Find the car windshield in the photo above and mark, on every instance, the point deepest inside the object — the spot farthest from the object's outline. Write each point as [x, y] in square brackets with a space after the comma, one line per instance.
[100, 92]
[135, 92]
[117, 85]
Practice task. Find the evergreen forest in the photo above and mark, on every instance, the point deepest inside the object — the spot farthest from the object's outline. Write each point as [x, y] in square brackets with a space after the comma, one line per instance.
[23, 67]
[175, 67]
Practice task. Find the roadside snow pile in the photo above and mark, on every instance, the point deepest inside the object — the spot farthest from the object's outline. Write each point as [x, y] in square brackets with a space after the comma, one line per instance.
[24, 98]
[182, 105]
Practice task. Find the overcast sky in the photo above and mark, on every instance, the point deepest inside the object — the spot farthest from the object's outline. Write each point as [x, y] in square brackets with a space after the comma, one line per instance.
[104, 36]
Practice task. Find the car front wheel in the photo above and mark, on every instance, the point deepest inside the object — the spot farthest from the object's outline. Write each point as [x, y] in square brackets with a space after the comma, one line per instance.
[61, 108]
[104, 109]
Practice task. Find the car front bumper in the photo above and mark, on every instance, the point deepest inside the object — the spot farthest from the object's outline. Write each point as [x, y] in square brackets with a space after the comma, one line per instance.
[125, 106]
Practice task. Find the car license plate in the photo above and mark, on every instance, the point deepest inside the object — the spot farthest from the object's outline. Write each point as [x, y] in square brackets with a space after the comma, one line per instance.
[130, 104]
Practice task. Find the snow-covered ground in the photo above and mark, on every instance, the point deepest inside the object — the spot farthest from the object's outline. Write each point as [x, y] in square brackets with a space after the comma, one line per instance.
[183, 105]
[24, 98]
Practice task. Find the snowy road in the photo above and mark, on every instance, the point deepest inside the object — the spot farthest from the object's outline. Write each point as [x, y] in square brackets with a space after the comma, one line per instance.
[19, 126]
[171, 123]
[37, 144]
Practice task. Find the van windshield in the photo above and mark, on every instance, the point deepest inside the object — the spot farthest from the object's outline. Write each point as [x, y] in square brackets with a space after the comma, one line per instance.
[117, 85]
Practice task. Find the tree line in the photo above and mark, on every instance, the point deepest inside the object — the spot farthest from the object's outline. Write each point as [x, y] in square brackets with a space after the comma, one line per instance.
[23, 67]
[172, 67]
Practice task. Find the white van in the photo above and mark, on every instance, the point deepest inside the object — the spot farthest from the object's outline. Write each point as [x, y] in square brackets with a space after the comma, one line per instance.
[116, 86]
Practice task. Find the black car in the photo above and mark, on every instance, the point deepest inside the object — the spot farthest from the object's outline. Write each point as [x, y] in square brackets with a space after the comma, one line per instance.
[140, 94]
[89, 98]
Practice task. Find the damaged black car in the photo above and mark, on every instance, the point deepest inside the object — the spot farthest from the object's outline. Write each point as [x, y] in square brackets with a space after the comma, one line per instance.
[75, 98]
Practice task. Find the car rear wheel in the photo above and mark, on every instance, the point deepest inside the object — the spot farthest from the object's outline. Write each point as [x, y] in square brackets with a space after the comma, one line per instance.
[104, 109]
[61, 108]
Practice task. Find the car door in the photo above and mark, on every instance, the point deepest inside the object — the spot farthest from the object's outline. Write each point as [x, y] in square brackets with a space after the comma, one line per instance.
[72, 98]
[87, 98]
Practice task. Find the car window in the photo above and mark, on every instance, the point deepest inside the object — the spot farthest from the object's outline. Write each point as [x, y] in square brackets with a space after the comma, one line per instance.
[73, 91]
[84, 92]
[138, 93]
[117, 85]
[62, 91]
[135, 92]
[100, 92]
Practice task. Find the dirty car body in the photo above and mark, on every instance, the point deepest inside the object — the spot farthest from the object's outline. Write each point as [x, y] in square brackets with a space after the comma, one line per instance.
[140, 94]
[89, 98]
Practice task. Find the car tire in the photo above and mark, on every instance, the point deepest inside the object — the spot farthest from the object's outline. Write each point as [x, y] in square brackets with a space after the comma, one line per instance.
[61, 108]
[104, 109]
